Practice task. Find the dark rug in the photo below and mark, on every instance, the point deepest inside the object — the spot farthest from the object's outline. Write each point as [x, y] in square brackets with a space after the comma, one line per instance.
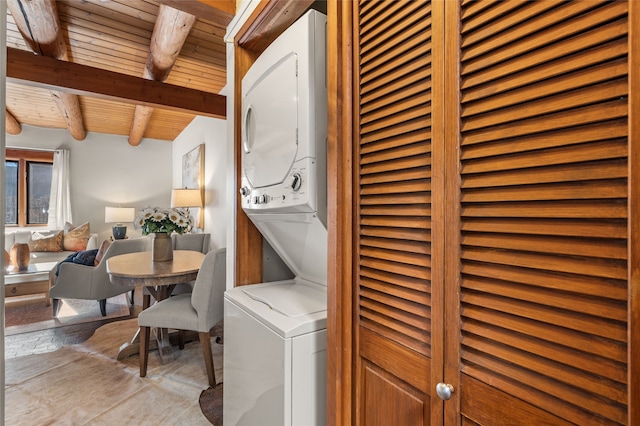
[211, 404]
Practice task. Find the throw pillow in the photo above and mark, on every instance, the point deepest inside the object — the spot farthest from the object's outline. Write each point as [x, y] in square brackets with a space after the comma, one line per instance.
[101, 251]
[76, 238]
[83, 257]
[39, 242]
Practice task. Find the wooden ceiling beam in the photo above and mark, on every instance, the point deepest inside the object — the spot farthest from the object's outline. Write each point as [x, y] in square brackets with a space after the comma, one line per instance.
[169, 34]
[39, 71]
[12, 125]
[39, 24]
[218, 12]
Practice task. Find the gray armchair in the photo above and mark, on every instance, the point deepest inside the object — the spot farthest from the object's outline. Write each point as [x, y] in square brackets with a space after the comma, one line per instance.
[76, 281]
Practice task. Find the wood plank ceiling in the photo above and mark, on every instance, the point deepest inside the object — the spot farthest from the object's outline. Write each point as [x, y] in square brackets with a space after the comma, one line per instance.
[115, 35]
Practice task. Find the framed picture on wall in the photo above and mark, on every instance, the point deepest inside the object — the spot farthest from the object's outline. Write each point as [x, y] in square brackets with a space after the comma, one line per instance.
[193, 178]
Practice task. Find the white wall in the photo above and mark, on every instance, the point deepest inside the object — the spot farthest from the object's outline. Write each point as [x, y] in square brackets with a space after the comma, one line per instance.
[212, 133]
[107, 171]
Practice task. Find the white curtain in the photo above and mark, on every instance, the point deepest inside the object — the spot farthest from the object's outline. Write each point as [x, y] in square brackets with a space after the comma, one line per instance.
[59, 199]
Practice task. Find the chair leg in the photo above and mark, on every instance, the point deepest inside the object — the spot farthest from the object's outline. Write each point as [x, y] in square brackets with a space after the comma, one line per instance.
[181, 334]
[144, 350]
[205, 342]
[103, 307]
[132, 293]
[56, 307]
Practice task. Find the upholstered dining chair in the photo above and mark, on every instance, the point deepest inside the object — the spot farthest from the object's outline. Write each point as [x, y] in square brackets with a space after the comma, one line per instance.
[195, 242]
[197, 311]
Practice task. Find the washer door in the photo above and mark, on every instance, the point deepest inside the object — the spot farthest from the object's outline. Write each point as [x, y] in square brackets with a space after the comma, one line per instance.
[270, 123]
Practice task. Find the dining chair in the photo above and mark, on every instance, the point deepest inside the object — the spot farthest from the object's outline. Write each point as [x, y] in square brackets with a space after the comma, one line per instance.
[195, 242]
[197, 311]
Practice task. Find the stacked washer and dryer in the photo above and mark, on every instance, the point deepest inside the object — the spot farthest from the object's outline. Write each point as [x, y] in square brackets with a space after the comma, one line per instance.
[275, 333]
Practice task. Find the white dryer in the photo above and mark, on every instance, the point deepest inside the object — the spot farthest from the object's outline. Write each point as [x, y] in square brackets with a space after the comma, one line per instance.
[275, 333]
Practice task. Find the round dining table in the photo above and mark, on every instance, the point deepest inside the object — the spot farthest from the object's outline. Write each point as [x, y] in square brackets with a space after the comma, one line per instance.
[159, 279]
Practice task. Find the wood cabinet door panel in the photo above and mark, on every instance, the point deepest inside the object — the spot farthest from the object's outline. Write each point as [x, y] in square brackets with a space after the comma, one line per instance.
[393, 199]
[543, 213]
[491, 184]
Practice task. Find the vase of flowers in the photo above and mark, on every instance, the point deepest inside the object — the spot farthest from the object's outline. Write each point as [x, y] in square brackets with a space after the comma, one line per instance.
[162, 223]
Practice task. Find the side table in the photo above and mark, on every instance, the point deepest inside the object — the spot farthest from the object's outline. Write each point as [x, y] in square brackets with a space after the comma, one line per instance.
[35, 279]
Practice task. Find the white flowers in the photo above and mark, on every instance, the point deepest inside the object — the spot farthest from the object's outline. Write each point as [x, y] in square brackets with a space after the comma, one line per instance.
[155, 220]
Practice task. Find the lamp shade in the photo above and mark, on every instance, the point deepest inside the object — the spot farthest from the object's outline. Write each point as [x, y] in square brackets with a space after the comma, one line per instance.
[119, 214]
[186, 198]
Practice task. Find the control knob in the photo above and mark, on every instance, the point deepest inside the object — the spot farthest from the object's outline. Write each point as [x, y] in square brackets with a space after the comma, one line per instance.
[244, 191]
[296, 182]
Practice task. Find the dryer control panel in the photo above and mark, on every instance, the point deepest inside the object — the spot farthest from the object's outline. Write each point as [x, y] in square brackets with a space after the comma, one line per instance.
[297, 193]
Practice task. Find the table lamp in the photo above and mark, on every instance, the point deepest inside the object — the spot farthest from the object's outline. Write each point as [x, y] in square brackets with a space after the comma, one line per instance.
[119, 215]
[186, 198]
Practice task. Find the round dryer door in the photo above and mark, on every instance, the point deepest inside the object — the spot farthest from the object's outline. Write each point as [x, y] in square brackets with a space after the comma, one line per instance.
[270, 123]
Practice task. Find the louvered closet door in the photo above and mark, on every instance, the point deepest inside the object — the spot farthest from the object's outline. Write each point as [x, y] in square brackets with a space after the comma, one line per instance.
[393, 151]
[393, 78]
[543, 294]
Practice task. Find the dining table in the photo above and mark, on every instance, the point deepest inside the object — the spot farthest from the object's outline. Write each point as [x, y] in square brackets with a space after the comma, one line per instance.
[158, 278]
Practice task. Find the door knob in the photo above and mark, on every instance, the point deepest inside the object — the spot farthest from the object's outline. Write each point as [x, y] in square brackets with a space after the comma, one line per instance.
[444, 390]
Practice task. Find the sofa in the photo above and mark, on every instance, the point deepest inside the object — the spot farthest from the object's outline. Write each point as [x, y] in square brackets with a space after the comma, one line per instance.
[50, 246]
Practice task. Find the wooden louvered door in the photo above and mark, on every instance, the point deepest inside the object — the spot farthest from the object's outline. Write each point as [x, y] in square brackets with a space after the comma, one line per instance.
[491, 237]
[543, 212]
[394, 212]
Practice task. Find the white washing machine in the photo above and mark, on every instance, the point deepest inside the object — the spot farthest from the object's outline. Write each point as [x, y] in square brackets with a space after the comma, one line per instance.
[275, 333]
[275, 355]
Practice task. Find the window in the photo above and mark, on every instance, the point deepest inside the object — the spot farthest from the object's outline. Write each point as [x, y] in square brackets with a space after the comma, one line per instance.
[27, 186]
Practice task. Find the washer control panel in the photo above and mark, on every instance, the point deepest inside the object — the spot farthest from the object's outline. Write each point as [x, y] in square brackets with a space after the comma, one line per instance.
[296, 192]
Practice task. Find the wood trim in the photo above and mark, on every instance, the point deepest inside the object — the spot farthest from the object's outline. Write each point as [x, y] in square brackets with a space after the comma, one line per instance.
[633, 309]
[268, 21]
[439, 237]
[248, 238]
[24, 156]
[452, 249]
[40, 71]
[28, 155]
[218, 12]
[443, 237]
[340, 280]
